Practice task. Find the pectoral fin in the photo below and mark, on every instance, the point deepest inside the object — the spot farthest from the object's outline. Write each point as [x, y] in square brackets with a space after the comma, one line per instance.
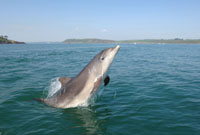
[64, 80]
[106, 80]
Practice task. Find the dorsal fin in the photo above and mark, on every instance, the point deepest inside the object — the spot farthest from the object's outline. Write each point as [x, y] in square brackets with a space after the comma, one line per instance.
[64, 80]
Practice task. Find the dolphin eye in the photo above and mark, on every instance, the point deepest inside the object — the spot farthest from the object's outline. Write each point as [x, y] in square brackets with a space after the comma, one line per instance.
[102, 58]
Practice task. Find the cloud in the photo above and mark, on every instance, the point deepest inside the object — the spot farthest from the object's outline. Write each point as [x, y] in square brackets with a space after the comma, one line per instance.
[76, 28]
[104, 30]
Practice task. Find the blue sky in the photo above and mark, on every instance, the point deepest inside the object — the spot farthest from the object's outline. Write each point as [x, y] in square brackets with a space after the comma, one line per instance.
[57, 20]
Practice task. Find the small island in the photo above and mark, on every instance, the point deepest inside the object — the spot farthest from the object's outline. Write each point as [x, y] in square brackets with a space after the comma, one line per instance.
[5, 40]
[143, 41]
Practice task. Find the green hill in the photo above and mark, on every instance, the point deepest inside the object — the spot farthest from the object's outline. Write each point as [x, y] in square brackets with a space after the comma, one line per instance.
[145, 41]
[4, 40]
[88, 41]
[162, 41]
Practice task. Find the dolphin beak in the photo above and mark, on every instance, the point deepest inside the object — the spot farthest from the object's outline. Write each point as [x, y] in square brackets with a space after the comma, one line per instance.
[116, 48]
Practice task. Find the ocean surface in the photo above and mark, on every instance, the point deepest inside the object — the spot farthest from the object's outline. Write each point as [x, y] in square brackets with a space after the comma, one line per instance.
[154, 90]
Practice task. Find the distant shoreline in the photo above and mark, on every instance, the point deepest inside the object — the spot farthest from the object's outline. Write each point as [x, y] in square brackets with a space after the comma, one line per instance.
[144, 41]
[105, 41]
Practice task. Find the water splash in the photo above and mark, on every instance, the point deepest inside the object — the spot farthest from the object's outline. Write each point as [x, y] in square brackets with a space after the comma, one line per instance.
[95, 96]
[90, 102]
[100, 91]
[55, 85]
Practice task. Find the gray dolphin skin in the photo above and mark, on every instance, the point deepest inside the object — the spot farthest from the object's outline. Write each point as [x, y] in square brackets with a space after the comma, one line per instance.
[76, 91]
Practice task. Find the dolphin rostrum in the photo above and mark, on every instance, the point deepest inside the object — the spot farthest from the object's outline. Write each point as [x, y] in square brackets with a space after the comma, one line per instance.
[76, 91]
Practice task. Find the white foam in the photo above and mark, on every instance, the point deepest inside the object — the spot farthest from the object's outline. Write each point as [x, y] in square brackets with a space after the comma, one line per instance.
[55, 85]
[85, 104]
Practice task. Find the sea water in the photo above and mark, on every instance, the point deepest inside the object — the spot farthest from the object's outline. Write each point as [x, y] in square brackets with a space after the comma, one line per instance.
[153, 90]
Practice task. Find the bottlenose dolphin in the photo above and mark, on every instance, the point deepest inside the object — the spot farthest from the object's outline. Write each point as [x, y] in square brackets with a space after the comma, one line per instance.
[76, 91]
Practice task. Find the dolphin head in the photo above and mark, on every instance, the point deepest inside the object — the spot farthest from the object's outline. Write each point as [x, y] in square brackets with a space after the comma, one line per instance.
[103, 60]
[106, 57]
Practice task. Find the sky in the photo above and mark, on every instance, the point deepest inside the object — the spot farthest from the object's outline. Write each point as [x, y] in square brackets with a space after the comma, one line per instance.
[57, 20]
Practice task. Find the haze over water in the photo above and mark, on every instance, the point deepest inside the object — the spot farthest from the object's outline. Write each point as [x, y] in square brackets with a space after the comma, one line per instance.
[154, 89]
